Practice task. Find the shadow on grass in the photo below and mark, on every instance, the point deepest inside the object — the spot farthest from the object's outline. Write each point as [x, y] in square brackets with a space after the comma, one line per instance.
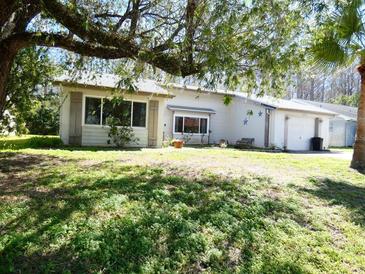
[342, 193]
[15, 162]
[136, 219]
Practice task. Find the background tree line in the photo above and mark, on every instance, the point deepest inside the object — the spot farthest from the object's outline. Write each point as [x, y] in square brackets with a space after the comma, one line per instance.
[341, 87]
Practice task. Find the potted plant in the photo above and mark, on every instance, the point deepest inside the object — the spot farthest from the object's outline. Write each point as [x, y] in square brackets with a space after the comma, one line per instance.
[178, 143]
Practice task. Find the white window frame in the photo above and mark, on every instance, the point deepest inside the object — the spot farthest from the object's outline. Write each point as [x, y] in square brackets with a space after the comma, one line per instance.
[190, 116]
[101, 109]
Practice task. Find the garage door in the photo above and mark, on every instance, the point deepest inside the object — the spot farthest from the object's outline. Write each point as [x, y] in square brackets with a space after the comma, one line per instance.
[300, 132]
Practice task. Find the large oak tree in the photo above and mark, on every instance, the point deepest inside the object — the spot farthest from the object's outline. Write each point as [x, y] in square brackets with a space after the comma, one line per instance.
[225, 40]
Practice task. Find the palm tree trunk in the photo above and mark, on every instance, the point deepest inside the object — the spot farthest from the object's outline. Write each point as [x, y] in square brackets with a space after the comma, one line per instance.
[358, 158]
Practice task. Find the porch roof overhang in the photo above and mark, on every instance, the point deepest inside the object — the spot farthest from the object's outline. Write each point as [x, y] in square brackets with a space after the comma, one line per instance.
[191, 109]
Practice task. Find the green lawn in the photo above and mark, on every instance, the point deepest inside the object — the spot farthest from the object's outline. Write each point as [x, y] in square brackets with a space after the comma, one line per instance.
[169, 211]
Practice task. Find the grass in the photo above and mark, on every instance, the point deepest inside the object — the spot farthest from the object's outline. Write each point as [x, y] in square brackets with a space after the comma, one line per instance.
[30, 141]
[192, 210]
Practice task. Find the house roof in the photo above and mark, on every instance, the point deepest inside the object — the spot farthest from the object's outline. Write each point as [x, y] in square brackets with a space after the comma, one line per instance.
[345, 112]
[265, 100]
[111, 81]
[153, 87]
[194, 109]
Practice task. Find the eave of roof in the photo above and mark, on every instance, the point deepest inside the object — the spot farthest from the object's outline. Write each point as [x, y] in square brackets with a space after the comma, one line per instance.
[137, 92]
[110, 82]
[191, 109]
[342, 111]
[265, 101]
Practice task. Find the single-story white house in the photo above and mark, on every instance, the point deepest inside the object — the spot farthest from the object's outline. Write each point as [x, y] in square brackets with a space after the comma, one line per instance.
[162, 112]
[342, 126]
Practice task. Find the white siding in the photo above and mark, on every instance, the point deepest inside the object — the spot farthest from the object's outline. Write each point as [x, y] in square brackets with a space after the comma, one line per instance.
[98, 136]
[95, 135]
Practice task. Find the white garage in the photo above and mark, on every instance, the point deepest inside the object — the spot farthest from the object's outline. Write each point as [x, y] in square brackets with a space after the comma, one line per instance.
[295, 124]
[300, 130]
[343, 126]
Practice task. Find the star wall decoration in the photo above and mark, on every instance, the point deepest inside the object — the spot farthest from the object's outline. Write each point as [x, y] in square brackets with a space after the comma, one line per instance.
[245, 122]
[260, 113]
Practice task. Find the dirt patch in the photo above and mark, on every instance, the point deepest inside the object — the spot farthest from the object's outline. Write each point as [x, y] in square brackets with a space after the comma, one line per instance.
[16, 173]
[13, 162]
[90, 163]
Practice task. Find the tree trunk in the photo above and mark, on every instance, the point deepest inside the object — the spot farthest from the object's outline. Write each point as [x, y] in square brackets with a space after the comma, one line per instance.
[311, 93]
[358, 158]
[7, 55]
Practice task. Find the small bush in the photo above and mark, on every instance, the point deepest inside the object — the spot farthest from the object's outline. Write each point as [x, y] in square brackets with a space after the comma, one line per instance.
[120, 135]
[45, 141]
[30, 142]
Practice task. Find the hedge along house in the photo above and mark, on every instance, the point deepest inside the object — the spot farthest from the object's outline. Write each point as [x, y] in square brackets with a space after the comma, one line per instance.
[198, 116]
[86, 105]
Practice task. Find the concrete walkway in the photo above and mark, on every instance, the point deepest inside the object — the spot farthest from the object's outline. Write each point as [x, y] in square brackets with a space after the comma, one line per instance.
[344, 155]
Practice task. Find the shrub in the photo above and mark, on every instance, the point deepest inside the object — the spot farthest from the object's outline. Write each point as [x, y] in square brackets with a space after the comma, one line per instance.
[30, 141]
[120, 135]
[43, 119]
[45, 141]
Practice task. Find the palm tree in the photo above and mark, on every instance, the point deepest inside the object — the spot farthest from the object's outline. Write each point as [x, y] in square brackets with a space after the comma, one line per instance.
[340, 42]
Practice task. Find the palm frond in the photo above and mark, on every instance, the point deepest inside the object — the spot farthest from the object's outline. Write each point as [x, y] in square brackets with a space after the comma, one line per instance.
[340, 40]
[328, 53]
[348, 21]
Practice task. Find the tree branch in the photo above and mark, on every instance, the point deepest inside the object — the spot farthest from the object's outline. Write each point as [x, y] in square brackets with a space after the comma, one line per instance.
[86, 30]
[190, 27]
[93, 35]
[65, 42]
[124, 17]
[169, 63]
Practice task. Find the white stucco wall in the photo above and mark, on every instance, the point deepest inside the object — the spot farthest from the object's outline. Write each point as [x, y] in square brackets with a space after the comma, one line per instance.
[241, 110]
[218, 121]
[351, 127]
[228, 121]
[337, 132]
[342, 132]
[97, 135]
